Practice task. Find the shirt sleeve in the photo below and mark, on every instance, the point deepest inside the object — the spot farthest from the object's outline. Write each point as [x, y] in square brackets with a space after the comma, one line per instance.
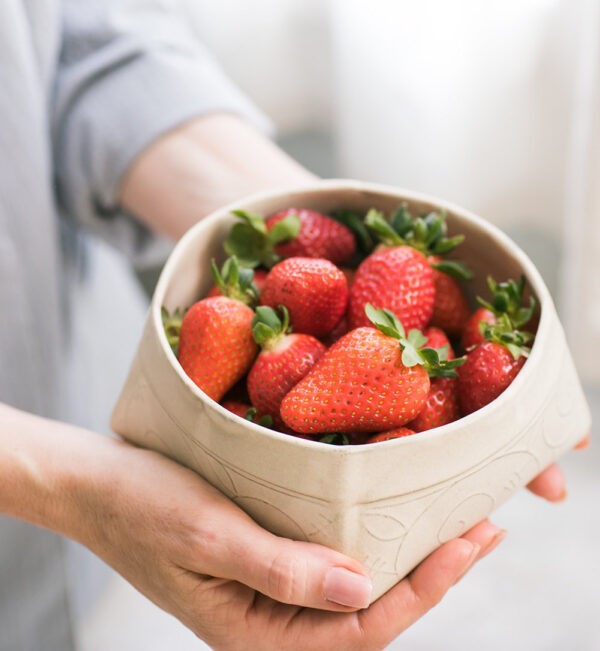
[129, 71]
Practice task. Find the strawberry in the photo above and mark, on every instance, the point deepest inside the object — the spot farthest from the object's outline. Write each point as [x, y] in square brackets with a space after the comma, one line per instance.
[399, 279]
[370, 380]
[247, 412]
[488, 371]
[319, 237]
[451, 308]
[283, 361]
[289, 233]
[427, 234]
[216, 347]
[472, 336]
[236, 281]
[441, 406]
[505, 311]
[397, 433]
[313, 290]
[337, 333]
[436, 338]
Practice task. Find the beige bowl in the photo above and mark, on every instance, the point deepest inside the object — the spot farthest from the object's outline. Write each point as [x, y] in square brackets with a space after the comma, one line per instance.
[389, 504]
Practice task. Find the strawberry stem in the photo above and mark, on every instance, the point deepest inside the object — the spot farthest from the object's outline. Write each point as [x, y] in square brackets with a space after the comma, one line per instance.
[236, 281]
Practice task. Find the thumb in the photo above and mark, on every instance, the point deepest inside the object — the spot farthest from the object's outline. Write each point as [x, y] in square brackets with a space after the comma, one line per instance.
[299, 573]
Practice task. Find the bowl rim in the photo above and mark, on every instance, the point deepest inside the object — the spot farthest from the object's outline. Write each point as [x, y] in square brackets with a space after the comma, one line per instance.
[324, 185]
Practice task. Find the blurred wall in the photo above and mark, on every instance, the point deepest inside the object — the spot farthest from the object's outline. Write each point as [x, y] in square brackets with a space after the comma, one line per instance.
[488, 104]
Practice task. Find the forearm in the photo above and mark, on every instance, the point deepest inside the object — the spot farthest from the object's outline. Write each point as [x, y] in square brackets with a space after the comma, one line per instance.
[201, 166]
[42, 465]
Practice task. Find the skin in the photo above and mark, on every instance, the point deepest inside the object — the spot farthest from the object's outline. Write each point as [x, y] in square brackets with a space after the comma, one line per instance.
[178, 540]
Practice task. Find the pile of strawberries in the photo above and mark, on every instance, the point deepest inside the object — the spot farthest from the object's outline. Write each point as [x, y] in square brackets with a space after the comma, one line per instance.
[345, 328]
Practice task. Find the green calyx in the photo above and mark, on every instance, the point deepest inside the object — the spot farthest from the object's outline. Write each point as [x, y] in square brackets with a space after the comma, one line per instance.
[265, 421]
[507, 300]
[251, 242]
[268, 327]
[511, 316]
[172, 326]
[236, 281]
[426, 233]
[434, 360]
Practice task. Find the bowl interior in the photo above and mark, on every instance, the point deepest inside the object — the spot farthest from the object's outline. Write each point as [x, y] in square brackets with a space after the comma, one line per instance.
[486, 250]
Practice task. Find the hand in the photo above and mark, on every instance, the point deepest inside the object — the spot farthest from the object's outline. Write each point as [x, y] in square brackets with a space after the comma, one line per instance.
[550, 484]
[198, 556]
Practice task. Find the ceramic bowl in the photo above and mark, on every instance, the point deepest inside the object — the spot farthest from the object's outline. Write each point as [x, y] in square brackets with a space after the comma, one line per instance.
[387, 504]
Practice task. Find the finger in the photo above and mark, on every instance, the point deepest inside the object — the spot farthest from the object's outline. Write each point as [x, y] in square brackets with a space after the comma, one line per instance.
[405, 603]
[487, 535]
[298, 573]
[549, 484]
[584, 443]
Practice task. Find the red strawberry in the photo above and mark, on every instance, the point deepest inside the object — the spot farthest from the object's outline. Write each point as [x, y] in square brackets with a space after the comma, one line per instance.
[427, 234]
[368, 381]
[397, 433]
[247, 412]
[240, 409]
[290, 233]
[436, 338]
[441, 406]
[216, 346]
[313, 290]
[319, 237]
[337, 333]
[472, 335]
[398, 279]
[488, 371]
[360, 384]
[284, 360]
[451, 309]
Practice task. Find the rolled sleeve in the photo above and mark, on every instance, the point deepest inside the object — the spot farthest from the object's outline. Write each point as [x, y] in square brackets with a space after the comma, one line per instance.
[129, 72]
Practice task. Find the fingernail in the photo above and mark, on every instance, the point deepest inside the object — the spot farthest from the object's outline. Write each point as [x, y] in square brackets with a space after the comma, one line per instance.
[563, 495]
[347, 588]
[469, 561]
[496, 540]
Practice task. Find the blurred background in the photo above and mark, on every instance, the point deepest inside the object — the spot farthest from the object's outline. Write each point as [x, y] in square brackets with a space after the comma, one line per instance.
[494, 106]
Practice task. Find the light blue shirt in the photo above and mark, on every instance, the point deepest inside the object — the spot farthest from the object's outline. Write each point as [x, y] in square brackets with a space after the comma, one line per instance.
[85, 85]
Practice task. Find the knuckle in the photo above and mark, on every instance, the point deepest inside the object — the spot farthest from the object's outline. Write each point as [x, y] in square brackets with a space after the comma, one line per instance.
[287, 578]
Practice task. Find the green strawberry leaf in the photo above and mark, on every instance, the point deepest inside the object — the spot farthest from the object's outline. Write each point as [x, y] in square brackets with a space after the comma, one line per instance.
[257, 222]
[402, 221]
[172, 326]
[247, 244]
[416, 338]
[454, 268]
[236, 282]
[385, 321]
[377, 223]
[285, 230]
[410, 355]
[268, 327]
[355, 223]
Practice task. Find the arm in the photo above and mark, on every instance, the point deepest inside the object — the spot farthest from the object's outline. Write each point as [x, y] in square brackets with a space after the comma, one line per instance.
[201, 166]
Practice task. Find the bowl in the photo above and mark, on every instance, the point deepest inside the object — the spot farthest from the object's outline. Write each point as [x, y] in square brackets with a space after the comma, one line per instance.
[388, 504]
